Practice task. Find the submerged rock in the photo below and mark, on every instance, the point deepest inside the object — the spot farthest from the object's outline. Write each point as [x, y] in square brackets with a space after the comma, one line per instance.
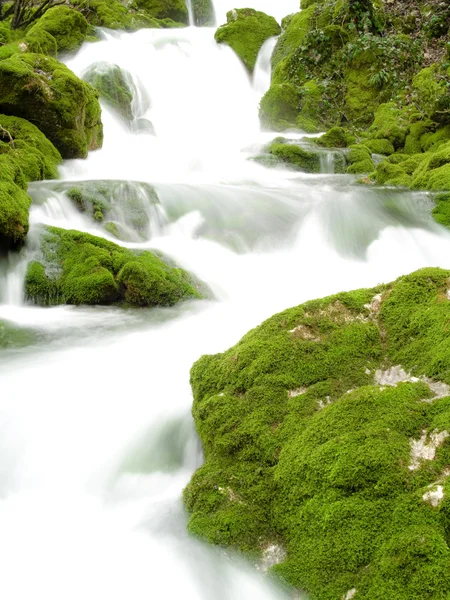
[305, 446]
[245, 32]
[77, 268]
[129, 210]
[304, 157]
[49, 95]
[204, 14]
[113, 85]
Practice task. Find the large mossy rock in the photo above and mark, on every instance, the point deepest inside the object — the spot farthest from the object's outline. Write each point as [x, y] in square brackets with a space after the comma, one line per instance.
[203, 11]
[25, 155]
[326, 433]
[115, 15]
[245, 32]
[45, 92]
[68, 28]
[77, 268]
[113, 85]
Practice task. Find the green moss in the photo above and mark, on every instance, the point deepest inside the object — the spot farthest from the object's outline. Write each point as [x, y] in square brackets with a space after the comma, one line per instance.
[390, 123]
[380, 146]
[204, 14]
[433, 173]
[430, 87]
[389, 174]
[68, 27]
[165, 9]
[361, 99]
[293, 35]
[280, 106]
[50, 96]
[113, 86]
[336, 137]
[360, 160]
[304, 449]
[245, 32]
[441, 212]
[25, 155]
[39, 41]
[14, 206]
[78, 268]
[296, 156]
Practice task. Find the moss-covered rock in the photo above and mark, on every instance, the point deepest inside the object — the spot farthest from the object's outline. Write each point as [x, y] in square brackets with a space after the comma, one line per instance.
[245, 32]
[315, 439]
[78, 268]
[306, 158]
[360, 160]
[279, 107]
[204, 14]
[68, 27]
[48, 94]
[336, 137]
[113, 85]
[165, 9]
[25, 155]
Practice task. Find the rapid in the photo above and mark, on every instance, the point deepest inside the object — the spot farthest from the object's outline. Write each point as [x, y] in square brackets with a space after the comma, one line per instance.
[96, 436]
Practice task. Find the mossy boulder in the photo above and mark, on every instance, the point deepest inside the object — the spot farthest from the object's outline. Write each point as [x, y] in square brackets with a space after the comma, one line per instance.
[295, 30]
[306, 158]
[113, 14]
[68, 27]
[204, 14]
[326, 431]
[245, 32]
[360, 160]
[78, 268]
[45, 92]
[336, 137]
[280, 106]
[25, 155]
[113, 85]
[14, 206]
[165, 9]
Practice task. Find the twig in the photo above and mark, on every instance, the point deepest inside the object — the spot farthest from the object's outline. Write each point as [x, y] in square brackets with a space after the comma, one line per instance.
[11, 140]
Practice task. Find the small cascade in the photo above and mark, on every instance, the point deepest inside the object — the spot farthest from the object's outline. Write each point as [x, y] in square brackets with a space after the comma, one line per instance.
[263, 67]
[190, 13]
[327, 162]
[12, 275]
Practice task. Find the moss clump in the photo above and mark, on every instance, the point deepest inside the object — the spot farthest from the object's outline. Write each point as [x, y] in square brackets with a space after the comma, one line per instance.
[204, 14]
[68, 27]
[78, 268]
[25, 155]
[165, 9]
[336, 137]
[14, 207]
[280, 106]
[380, 146]
[307, 159]
[359, 159]
[49, 95]
[245, 32]
[306, 449]
[113, 87]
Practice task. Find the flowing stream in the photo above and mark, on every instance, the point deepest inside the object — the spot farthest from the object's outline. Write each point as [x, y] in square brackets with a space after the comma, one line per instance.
[96, 437]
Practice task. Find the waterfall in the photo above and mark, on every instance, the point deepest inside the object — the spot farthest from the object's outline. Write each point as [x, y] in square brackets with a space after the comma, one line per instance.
[97, 439]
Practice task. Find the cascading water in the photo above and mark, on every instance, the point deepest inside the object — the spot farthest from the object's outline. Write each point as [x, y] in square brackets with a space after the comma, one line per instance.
[96, 437]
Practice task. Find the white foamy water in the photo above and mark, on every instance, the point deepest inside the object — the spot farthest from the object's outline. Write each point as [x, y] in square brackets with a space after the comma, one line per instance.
[96, 436]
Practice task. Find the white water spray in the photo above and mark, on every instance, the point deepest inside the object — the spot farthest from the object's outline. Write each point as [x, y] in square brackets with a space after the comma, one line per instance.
[96, 436]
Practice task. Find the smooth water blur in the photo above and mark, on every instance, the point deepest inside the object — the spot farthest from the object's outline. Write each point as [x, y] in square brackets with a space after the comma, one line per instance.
[96, 435]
